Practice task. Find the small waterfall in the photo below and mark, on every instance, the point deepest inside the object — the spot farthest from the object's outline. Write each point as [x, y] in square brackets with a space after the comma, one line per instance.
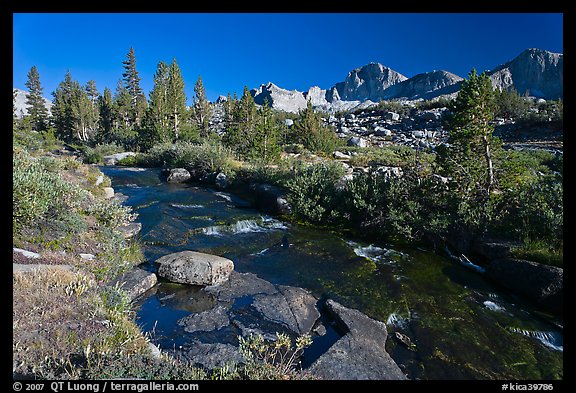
[397, 321]
[493, 306]
[224, 196]
[377, 254]
[186, 206]
[552, 340]
[212, 231]
[245, 226]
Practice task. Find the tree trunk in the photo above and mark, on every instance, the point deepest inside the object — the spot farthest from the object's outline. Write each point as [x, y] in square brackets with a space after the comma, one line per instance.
[488, 158]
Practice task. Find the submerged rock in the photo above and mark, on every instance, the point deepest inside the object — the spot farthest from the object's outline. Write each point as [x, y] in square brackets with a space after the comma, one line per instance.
[190, 267]
[360, 353]
[206, 321]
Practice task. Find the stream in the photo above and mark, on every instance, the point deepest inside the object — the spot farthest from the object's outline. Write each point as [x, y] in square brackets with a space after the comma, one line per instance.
[462, 326]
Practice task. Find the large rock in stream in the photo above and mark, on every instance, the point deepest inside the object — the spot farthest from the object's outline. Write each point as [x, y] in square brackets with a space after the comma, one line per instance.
[537, 282]
[196, 268]
[360, 353]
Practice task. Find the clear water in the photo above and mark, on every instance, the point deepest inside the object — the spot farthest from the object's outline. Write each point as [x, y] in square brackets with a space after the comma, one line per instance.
[463, 327]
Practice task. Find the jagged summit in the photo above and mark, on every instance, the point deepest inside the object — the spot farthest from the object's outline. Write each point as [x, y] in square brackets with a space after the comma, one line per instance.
[368, 82]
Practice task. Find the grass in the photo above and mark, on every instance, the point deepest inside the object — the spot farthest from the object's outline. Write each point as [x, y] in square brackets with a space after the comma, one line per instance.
[59, 318]
[541, 252]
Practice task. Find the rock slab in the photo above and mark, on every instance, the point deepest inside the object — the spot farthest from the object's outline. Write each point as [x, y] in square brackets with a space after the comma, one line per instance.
[360, 354]
[196, 268]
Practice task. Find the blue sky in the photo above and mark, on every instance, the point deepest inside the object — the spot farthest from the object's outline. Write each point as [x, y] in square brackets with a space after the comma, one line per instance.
[292, 50]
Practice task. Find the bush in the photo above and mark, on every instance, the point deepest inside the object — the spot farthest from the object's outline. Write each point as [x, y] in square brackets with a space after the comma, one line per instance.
[96, 154]
[205, 158]
[38, 193]
[313, 191]
[272, 360]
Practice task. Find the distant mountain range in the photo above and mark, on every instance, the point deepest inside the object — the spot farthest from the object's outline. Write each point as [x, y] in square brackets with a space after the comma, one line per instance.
[538, 72]
[534, 71]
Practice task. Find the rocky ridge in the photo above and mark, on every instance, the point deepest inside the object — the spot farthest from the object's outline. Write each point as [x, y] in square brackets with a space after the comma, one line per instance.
[538, 72]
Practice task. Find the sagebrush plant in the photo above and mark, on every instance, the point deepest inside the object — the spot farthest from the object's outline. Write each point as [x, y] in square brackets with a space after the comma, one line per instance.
[38, 192]
[276, 359]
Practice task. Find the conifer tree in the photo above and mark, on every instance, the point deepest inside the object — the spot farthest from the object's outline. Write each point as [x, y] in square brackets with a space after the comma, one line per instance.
[94, 115]
[201, 108]
[36, 109]
[243, 121]
[82, 114]
[176, 100]
[470, 153]
[62, 108]
[264, 143]
[105, 112]
[122, 107]
[132, 85]
[157, 127]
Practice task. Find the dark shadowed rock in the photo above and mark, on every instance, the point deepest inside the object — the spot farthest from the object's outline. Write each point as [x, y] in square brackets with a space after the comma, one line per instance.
[540, 283]
[292, 307]
[135, 282]
[360, 353]
[493, 249]
[190, 267]
[271, 199]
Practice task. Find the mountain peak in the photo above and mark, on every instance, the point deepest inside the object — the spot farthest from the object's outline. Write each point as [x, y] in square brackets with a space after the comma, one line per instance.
[537, 72]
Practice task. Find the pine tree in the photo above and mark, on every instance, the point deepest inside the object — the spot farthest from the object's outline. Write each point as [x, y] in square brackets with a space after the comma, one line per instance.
[132, 85]
[37, 109]
[62, 108]
[471, 128]
[201, 108]
[94, 115]
[176, 100]
[157, 127]
[468, 158]
[105, 111]
[264, 143]
[243, 122]
[312, 133]
[81, 113]
[122, 107]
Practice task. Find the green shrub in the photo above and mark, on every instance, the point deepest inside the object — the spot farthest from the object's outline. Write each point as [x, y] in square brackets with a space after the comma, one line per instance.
[127, 161]
[38, 193]
[204, 158]
[96, 154]
[313, 191]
